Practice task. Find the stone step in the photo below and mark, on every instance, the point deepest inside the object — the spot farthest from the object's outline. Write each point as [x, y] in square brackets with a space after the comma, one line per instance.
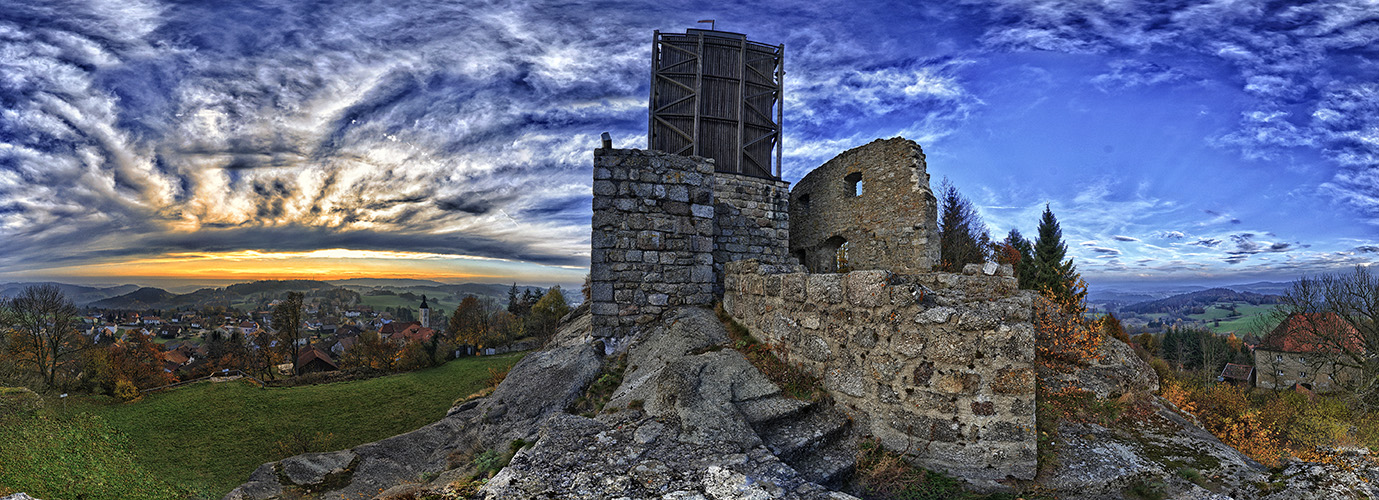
[831, 464]
[766, 411]
[790, 438]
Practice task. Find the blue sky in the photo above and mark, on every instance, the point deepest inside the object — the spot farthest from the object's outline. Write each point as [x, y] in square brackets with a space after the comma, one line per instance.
[1203, 142]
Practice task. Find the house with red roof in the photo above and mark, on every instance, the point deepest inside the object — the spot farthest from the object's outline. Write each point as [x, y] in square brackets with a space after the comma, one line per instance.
[1311, 350]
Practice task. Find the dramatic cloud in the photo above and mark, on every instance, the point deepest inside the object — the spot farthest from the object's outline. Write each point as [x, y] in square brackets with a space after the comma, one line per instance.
[133, 129]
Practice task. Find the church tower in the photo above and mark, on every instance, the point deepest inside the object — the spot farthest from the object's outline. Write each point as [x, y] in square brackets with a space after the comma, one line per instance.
[425, 313]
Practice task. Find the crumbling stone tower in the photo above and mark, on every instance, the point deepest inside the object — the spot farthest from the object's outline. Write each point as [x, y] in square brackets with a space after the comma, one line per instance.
[868, 208]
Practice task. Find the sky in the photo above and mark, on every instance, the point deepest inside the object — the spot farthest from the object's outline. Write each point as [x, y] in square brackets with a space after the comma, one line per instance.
[1176, 141]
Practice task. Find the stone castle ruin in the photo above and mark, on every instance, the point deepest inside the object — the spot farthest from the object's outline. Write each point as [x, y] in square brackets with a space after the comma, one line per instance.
[836, 273]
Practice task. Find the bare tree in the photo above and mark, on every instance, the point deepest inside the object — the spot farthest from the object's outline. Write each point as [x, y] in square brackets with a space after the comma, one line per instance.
[287, 323]
[42, 324]
[1336, 316]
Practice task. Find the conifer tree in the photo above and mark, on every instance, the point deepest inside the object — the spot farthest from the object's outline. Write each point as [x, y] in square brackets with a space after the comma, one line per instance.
[1052, 274]
[963, 238]
[1017, 251]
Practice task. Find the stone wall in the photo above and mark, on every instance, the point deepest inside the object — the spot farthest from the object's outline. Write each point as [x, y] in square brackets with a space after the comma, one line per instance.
[938, 366]
[751, 221]
[652, 241]
[1321, 372]
[891, 225]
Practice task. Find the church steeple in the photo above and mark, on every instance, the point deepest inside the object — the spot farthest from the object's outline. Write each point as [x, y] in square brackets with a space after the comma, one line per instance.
[425, 313]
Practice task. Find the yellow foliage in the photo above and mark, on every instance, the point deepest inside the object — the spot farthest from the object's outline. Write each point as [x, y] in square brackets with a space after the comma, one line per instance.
[1271, 427]
[1064, 337]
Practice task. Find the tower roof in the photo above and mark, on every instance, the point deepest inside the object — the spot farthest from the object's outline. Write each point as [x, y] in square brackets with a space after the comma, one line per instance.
[423, 303]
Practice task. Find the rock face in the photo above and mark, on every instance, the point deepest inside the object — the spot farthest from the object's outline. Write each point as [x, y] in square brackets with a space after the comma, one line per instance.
[693, 420]
[683, 425]
[1116, 371]
[1159, 453]
[1354, 474]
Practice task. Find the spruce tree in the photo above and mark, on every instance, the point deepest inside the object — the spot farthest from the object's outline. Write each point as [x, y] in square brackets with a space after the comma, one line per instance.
[1017, 251]
[963, 238]
[1051, 273]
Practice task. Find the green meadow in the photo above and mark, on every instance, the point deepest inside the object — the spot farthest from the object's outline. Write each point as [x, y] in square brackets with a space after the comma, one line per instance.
[204, 439]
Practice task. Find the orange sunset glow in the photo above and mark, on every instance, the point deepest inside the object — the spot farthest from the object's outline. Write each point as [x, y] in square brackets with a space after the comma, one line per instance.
[326, 264]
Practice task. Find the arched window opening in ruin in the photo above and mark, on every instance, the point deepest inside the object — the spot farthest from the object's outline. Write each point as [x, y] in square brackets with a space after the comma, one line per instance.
[802, 257]
[831, 257]
[841, 259]
[804, 202]
[854, 181]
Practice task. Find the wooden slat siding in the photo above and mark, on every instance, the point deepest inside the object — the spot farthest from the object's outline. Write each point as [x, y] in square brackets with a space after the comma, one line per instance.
[721, 108]
[780, 106]
[651, 96]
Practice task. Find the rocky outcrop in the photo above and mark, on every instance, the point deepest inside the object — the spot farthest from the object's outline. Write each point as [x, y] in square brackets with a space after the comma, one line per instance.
[1117, 370]
[692, 419]
[1163, 452]
[1353, 473]
[683, 424]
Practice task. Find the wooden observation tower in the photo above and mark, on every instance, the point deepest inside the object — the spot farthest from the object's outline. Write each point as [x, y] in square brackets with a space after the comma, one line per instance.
[718, 95]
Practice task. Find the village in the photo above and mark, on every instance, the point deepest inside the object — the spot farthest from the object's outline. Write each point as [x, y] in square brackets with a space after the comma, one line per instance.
[332, 335]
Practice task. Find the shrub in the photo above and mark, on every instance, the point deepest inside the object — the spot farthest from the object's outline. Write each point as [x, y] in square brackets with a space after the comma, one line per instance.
[1064, 338]
[125, 390]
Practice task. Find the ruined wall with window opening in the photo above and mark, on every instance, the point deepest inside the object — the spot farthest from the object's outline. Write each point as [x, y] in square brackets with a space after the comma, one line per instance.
[868, 208]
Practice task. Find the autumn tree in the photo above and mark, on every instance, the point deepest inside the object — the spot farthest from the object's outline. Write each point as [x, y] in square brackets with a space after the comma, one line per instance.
[469, 323]
[1051, 273]
[963, 237]
[42, 326]
[139, 361]
[287, 326]
[373, 352]
[546, 313]
[1063, 336]
[1017, 251]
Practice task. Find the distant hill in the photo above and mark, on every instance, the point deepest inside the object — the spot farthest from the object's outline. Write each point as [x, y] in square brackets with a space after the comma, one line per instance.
[276, 286]
[1199, 299]
[157, 298]
[1264, 287]
[80, 295]
[384, 282]
[143, 298]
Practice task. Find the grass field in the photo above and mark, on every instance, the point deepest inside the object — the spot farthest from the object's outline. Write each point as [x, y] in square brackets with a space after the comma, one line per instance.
[208, 437]
[1245, 322]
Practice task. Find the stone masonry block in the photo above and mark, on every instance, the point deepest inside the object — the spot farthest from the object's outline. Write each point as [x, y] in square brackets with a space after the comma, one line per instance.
[867, 288]
[826, 288]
